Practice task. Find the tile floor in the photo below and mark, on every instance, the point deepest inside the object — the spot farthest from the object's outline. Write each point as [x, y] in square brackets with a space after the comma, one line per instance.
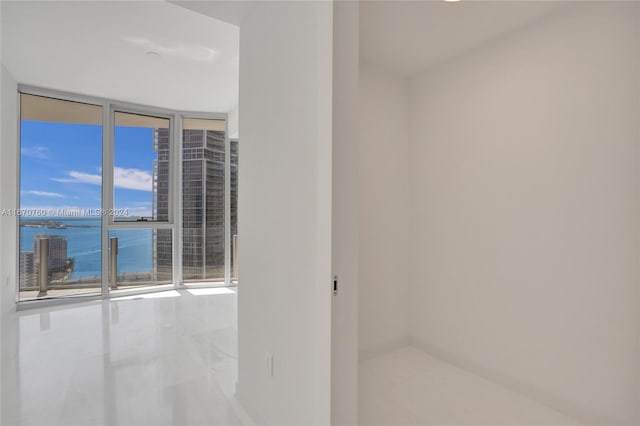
[409, 387]
[169, 358]
[160, 359]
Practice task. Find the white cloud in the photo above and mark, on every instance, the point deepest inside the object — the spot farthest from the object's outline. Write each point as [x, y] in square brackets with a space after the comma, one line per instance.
[44, 194]
[35, 152]
[135, 179]
[132, 179]
[85, 178]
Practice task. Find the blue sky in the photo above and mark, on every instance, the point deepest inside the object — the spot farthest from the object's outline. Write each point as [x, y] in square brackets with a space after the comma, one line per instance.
[61, 167]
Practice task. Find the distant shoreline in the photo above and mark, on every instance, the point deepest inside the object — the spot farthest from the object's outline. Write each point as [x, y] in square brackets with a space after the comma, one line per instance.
[51, 224]
[84, 243]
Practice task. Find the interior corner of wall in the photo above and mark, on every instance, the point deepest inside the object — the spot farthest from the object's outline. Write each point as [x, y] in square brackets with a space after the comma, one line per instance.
[232, 122]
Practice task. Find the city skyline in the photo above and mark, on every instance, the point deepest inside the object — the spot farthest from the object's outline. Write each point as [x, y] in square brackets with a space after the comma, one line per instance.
[203, 198]
[57, 159]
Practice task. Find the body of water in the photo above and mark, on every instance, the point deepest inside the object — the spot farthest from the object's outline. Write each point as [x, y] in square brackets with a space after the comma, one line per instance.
[135, 246]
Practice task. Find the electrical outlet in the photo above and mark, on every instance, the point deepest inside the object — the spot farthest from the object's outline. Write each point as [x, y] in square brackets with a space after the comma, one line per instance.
[269, 359]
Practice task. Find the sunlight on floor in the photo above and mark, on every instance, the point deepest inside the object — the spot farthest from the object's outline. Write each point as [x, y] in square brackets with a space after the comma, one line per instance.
[167, 359]
[209, 291]
[158, 295]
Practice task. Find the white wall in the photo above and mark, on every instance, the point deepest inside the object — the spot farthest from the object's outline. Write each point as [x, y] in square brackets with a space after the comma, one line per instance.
[232, 122]
[525, 211]
[285, 212]
[344, 309]
[384, 210]
[8, 196]
[8, 190]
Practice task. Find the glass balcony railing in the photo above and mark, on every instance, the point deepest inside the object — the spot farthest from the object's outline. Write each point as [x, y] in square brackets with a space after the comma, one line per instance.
[61, 254]
[140, 257]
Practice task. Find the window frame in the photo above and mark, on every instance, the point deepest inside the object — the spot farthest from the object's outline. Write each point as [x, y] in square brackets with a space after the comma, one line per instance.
[108, 177]
[227, 198]
[174, 222]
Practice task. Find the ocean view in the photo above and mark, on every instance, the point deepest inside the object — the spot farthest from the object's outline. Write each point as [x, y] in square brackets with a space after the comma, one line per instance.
[84, 241]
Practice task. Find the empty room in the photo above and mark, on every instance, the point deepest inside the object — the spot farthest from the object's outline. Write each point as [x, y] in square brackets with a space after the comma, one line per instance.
[320, 213]
[499, 213]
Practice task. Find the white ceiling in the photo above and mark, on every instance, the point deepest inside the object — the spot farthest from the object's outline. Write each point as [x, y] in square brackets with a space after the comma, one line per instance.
[410, 36]
[100, 49]
[232, 11]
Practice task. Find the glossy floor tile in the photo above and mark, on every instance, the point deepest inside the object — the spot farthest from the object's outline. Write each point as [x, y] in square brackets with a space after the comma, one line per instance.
[167, 358]
[409, 387]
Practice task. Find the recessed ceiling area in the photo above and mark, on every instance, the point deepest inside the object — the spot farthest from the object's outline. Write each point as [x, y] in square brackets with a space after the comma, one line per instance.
[152, 52]
[408, 37]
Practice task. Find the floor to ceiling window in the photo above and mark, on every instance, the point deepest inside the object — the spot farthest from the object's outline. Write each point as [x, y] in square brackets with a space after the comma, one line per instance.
[140, 230]
[60, 198]
[233, 187]
[107, 189]
[204, 165]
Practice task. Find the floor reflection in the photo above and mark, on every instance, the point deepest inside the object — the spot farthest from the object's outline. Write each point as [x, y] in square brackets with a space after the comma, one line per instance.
[169, 359]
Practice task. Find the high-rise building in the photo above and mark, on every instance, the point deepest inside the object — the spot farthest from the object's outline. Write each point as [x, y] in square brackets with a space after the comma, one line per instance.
[234, 204]
[162, 238]
[27, 270]
[57, 251]
[29, 261]
[203, 160]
